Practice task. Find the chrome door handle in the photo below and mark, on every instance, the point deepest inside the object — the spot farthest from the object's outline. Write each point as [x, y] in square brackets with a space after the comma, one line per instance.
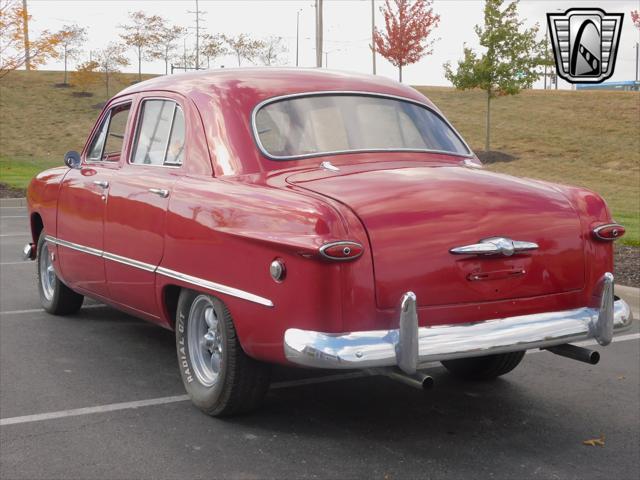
[101, 183]
[160, 192]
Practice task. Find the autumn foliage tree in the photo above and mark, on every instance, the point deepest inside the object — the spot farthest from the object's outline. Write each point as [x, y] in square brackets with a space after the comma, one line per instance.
[635, 18]
[243, 47]
[142, 34]
[272, 51]
[166, 43]
[408, 26]
[71, 39]
[13, 54]
[86, 74]
[212, 47]
[110, 59]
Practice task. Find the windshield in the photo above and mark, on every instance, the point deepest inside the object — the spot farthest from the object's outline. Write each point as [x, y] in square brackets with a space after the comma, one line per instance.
[337, 123]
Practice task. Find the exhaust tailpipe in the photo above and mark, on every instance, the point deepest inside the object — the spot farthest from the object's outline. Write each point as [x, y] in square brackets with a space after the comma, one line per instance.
[576, 353]
[417, 380]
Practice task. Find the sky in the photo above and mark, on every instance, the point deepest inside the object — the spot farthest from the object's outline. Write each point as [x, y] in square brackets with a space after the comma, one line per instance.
[347, 29]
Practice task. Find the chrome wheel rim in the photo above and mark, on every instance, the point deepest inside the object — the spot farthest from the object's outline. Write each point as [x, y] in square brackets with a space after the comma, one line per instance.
[47, 272]
[204, 338]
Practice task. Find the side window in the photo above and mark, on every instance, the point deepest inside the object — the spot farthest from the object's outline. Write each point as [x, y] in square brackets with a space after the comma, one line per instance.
[161, 132]
[109, 140]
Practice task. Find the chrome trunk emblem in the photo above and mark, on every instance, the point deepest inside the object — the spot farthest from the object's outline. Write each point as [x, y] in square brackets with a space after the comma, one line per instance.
[495, 246]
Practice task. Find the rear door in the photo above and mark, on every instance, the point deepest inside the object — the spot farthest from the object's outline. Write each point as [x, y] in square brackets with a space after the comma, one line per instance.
[138, 202]
[82, 202]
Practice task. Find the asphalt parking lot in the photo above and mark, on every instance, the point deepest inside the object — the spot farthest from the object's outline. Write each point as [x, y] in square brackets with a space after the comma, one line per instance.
[98, 395]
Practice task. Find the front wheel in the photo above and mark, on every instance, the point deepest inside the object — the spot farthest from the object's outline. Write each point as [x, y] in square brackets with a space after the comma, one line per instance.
[218, 376]
[484, 368]
[55, 296]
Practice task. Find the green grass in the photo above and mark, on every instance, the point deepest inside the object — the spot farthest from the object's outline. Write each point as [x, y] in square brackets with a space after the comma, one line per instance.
[586, 138]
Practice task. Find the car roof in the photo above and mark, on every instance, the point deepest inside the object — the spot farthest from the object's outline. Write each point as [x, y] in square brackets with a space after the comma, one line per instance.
[255, 84]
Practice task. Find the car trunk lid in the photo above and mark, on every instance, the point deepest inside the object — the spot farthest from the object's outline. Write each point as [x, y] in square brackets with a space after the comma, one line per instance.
[415, 216]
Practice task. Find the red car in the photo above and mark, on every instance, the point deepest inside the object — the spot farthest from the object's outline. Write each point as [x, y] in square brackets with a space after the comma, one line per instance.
[317, 219]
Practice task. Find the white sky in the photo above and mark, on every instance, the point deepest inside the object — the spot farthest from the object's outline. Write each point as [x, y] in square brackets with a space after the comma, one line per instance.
[347, 28]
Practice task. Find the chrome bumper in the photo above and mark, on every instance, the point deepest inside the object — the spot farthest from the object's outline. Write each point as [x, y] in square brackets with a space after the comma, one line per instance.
[409, 346]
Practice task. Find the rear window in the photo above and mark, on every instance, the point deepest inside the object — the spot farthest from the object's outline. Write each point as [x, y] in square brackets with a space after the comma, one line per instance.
[340, 123]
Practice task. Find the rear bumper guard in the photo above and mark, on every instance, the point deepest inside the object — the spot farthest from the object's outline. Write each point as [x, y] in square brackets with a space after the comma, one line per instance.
[409, 346]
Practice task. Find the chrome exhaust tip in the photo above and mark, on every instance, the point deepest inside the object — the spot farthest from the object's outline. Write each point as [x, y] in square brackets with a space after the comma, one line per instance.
[417, 380]
[29, 252]
[576, 353]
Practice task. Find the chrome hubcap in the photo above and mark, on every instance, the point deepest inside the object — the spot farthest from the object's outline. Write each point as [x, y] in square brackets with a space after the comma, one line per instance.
[47, 273]
[204, 339]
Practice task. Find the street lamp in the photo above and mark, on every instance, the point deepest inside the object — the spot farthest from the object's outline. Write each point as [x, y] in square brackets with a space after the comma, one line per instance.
[297, 34]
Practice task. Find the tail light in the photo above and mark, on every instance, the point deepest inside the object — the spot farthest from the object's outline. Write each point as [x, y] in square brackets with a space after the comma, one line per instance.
[341, 251]
[609, 232]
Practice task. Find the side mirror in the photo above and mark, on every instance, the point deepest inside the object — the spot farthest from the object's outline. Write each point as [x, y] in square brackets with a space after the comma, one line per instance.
[72, 159]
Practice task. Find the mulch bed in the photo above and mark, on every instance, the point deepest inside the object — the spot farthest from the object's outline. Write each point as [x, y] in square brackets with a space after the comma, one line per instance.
[494, 156]
[9, 192]
[627, 265]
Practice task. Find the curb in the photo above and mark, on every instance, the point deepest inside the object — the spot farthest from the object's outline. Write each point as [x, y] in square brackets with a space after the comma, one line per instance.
[13, 202]
[631, 295]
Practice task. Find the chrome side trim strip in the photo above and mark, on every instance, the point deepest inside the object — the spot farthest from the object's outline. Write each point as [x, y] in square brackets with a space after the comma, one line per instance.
[74, 246]
[217, 287]
[147, 267]
[199, 282]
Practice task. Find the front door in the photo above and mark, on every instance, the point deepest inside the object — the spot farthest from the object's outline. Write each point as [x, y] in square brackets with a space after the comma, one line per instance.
[138, 203]
[82, 204]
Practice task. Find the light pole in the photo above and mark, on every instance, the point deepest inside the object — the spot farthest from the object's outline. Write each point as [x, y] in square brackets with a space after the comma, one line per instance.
[373, 31]
[297, 35]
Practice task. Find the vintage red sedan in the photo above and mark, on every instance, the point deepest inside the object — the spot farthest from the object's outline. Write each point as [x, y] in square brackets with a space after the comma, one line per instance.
[318, 219]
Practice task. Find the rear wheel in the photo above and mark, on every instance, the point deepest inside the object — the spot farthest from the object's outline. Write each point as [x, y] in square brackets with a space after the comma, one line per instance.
[55, 296]
[218, 376]
[484, 368]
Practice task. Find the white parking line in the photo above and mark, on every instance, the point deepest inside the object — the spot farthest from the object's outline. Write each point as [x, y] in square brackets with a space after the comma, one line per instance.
[15, 234]
[13, 216]
[91, 410]
[39, 310]
[182, 398]
[10, 208]
[23, 262]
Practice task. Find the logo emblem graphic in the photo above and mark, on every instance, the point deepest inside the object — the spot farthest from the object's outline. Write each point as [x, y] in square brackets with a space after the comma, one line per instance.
[585, 43]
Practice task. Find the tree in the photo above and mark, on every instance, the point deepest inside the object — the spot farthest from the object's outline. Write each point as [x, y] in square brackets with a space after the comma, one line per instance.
[16, 50]
[272, 50]
[166, 43]
[635, 18]
[110, 59]
[408, 26]
[85, 76]
[142, 34]
[72, 37]
[212, 47]
[243, 47]
[510, 62]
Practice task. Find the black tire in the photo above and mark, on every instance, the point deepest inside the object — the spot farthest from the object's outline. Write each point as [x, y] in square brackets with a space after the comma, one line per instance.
[241, 383]
[484, 368]
[58, 299]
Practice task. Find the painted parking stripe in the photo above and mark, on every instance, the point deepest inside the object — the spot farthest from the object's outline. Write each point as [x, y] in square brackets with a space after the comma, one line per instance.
[112, 407]
[25, 234]
[13, 216]
[2, 264]
[40, 310]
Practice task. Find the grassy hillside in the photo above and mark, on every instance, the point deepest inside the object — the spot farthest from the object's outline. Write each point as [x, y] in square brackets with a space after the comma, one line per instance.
[590, 139]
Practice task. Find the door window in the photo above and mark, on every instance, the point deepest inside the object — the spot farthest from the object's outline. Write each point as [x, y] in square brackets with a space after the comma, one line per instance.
[108, 142]
[160, 137]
